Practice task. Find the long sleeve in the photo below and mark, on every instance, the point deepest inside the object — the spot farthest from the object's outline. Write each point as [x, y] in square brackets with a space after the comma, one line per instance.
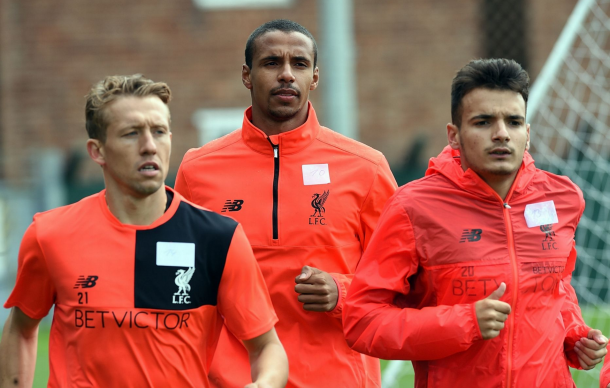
[382, 188]
[576, 327]
[375, 325]
[604, 376]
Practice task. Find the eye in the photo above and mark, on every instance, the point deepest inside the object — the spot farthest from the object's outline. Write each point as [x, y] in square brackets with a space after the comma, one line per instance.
[481, 123]
[130, 133]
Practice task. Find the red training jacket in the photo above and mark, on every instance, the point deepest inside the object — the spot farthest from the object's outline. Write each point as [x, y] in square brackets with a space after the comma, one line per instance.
[448, 240]
[309, 196]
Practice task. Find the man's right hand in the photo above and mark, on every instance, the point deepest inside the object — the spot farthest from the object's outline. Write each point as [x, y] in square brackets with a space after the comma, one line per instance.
[492, 313]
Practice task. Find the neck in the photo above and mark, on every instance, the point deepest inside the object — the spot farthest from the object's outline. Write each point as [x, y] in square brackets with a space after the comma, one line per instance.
[136, 210]
[501, 184]
[274, 127]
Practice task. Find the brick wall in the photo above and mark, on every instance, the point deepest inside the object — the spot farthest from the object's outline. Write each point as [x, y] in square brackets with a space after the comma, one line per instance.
[407, 51]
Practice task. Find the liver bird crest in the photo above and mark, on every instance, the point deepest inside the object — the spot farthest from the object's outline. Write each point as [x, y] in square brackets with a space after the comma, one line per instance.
[182, 280]
[318, 203]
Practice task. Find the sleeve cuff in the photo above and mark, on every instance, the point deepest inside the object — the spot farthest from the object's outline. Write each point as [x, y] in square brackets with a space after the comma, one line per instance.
[342, 293]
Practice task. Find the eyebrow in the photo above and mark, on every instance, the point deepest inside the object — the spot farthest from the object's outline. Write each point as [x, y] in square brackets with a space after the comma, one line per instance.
[485, 116]
[301, 59]
[270, 58]
[278, 58]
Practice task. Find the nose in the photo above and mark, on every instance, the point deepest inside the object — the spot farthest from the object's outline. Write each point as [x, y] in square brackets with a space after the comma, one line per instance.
[501, 132]
[148, 146]
[286, 74]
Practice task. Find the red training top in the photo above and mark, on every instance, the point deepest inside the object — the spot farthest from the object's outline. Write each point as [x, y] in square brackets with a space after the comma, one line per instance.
[138, 306]
[448, 240]
[309, 196]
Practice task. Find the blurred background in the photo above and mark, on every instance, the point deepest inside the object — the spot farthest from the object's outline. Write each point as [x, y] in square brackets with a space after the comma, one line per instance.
[385, 73]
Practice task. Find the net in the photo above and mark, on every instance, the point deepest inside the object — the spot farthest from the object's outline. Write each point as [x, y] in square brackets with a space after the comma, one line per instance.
[569, 111]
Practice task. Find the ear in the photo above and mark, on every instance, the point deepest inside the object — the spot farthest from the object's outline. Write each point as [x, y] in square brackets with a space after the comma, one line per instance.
[453, 136]
[316, 77]
[527, 144]
[245, 76]
[95, 149]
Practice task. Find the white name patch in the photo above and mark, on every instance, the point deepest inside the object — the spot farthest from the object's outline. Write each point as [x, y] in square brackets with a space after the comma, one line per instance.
[541, 213]
[173, 254]
[315, 174]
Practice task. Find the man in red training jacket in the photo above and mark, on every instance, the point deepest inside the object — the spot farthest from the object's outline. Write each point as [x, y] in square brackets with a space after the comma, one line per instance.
[468, 272]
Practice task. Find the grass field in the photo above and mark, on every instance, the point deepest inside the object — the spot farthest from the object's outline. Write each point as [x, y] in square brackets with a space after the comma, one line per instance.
[395, 374]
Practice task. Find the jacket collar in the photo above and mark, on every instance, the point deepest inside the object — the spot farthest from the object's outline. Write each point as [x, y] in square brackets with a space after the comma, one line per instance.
[289, 142]
[448, 164]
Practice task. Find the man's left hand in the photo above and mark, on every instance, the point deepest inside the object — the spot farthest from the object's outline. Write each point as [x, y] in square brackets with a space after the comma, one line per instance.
[591, 350]
[317, 290]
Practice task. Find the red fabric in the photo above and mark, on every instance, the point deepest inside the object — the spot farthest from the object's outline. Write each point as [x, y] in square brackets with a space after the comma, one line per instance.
[240, 166]
[446, 241]
[604, 376]
[97, 337]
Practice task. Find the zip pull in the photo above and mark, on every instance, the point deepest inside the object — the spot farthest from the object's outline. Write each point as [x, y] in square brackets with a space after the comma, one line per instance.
[507, 206]
[276, 148]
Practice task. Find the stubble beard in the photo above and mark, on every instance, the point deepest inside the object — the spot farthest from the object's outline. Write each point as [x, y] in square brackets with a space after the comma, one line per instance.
[144, 189]
[283, 113]
[499, 171]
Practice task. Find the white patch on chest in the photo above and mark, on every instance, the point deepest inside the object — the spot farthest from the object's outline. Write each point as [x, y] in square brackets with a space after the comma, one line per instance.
[315, 174]
[173, 254]
[541, 213]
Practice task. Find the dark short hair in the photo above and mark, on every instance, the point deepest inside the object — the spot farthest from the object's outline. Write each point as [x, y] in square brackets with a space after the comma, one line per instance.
[494, 74]
[283, 25]
[112, 87]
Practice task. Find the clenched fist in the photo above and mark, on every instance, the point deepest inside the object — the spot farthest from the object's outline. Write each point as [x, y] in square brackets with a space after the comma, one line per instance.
[492, 313]
[317, 290]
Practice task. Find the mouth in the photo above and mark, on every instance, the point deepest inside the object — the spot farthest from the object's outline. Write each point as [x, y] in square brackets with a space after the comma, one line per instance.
[286, 93]
[149, 168]
[500, 151]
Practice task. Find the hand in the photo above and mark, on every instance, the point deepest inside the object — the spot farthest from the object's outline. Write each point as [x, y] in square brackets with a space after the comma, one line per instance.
[258, 385]
[591, 350]
[492, 313]
[317, 290]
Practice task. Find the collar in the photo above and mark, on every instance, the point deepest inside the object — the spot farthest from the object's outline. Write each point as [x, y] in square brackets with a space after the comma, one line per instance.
[289, 142]
[448, 163]
[170, 210]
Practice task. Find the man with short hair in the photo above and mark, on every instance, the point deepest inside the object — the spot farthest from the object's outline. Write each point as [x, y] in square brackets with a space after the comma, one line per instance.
[309, 199]
[141, 279]
[468, 273]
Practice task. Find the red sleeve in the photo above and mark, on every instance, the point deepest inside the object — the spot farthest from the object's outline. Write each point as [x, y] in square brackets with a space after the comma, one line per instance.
[181, 185]
[243, 299]
[375, 325]
[384, 185]
[576, 328]
[34, 292]
[604, 376]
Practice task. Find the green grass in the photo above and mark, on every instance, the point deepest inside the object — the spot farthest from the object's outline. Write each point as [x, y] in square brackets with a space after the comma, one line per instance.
[41, 376]
[402, 376]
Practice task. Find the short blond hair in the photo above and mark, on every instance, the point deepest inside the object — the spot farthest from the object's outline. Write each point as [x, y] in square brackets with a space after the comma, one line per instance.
[112, 87]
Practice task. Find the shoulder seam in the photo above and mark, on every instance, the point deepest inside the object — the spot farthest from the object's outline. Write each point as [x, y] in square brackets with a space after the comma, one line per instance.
[209, 152]
[376, 162]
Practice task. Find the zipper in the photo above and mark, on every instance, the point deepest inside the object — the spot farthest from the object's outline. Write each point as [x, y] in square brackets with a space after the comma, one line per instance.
[276, 177]
[513, 260]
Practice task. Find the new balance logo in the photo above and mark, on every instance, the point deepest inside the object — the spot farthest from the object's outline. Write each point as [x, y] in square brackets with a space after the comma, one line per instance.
[471, 235]
[232, 205]
[88, 282]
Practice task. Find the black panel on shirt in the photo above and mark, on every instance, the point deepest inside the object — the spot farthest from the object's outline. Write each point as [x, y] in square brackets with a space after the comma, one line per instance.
[155, 286]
